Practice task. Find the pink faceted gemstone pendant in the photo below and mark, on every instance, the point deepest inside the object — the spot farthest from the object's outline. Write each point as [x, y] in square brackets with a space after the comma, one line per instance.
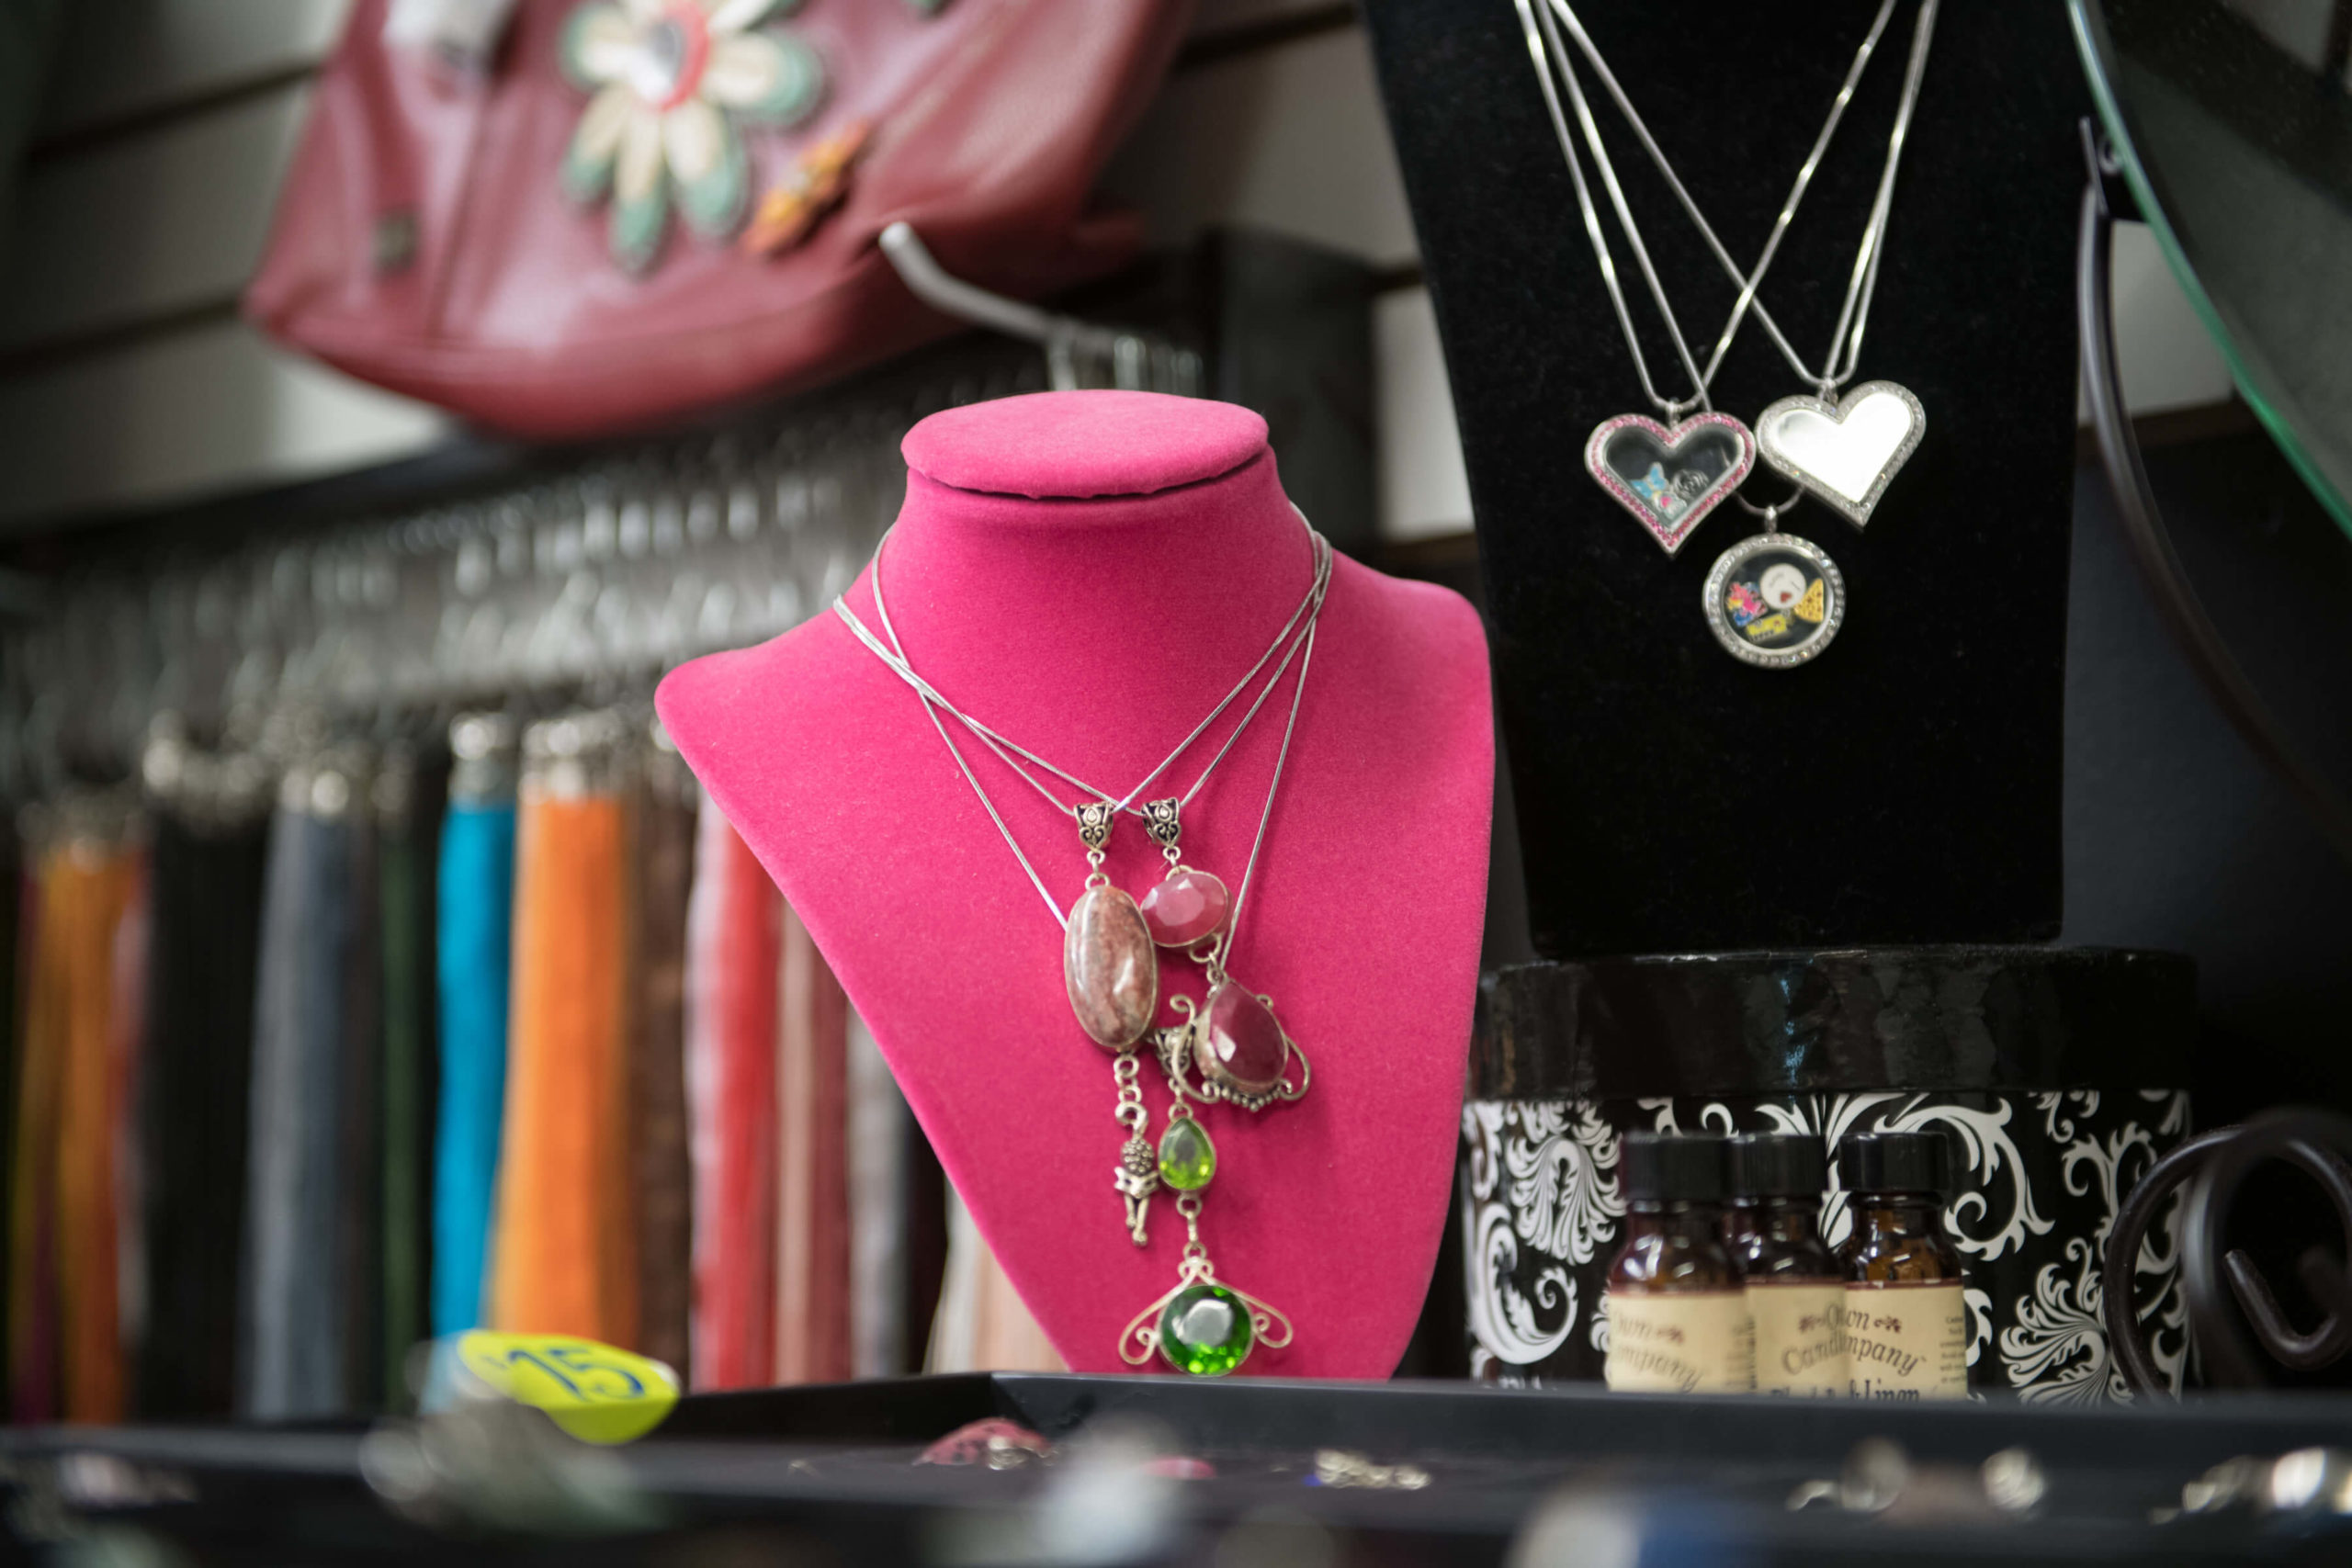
[1237, 1044]
[1185, 906]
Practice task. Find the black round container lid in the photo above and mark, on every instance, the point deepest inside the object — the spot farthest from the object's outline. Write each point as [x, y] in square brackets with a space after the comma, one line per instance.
[1894, 1162]
[1832, 1021]
[1777, 1164]
[1664, 1168]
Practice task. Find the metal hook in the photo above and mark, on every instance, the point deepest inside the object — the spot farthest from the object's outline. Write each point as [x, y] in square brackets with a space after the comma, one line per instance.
[2310, 1141]
[2211, 1167]
[1062, 337]
[2324, 1278]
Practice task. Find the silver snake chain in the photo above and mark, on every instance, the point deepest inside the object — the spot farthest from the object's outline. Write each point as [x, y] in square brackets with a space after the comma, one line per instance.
[1321, 551]
[1294, 641]
[895, 656]
[1539, 26]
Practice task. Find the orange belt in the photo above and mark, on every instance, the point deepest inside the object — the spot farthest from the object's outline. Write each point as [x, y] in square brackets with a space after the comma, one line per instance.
[564, 1250]
[63, 1308]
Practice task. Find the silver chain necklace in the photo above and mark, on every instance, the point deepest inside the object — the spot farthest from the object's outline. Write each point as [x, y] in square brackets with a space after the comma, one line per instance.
[1230, 1048]
[1543, 45]
[1160, 816]
[1775, 599]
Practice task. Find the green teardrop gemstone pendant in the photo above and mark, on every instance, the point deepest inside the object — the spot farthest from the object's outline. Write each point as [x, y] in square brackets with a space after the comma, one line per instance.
[1205, 1331]
[1187, 1158]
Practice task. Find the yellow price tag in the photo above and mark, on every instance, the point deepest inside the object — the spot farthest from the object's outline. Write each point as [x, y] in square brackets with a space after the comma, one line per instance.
[597, 1393]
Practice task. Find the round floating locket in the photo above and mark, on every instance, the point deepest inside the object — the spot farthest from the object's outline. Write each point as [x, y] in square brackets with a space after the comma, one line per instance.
[1775, 599]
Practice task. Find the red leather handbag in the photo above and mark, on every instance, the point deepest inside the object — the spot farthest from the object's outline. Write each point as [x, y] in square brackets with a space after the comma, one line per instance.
[647, 207]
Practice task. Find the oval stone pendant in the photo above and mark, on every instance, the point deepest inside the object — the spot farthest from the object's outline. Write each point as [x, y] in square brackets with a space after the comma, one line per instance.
[1184, 907]
[1111, 969]
[1237, 1044]
[1205, 1331]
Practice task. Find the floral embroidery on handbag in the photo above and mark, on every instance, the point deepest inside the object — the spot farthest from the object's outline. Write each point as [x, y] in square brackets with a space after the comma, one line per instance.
[670, 80]
[816, 184]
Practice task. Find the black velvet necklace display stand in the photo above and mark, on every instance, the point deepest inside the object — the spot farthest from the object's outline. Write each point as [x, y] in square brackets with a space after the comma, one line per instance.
[1903, 790]
[1904, 786]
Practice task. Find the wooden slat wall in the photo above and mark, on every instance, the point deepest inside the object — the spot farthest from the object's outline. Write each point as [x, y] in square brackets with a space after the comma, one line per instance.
[1289, 138]
[120, 59]
[142, 225]
[187, 414]
[125, 378]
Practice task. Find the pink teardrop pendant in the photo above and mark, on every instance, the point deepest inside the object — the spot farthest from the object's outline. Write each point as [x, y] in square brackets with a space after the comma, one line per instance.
[1185, 906]
[1237, 1044]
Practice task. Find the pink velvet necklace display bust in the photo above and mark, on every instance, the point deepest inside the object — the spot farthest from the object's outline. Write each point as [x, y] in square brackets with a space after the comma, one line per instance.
[1089, 572]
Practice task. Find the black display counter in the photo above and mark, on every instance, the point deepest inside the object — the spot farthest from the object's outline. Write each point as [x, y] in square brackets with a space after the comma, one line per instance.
[829, 1475]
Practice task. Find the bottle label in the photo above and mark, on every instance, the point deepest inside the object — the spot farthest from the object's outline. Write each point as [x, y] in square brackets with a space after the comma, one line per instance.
[1687, 1342]
[1800, 1336]
[1907, 1341]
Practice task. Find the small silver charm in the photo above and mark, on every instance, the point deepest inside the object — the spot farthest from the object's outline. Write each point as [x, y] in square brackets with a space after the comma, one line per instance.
[1138, 1176]
[1138, 1179]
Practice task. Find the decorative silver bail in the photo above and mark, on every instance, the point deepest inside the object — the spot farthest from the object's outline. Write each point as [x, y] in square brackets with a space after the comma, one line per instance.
[1094, 820]
[1159, 821]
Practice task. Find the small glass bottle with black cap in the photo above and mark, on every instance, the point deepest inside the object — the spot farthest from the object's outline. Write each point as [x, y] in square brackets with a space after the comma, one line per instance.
[1794, 1288]
[1907, 1322]
[1677, 1322]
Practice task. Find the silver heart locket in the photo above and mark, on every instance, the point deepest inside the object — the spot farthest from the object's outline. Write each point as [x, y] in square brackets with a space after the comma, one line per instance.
[1670, 479]
[1843, 451]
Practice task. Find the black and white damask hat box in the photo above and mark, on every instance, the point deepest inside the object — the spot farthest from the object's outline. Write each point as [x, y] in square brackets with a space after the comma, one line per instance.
[2057, 1075]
